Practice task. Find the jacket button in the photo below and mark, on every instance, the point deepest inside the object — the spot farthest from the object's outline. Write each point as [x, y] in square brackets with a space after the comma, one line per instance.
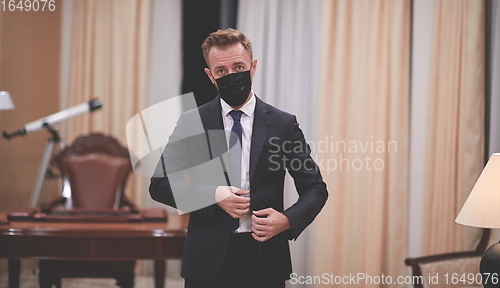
[226, 225]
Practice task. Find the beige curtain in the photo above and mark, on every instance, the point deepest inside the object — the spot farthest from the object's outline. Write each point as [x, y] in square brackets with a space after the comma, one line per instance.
[109, 61]
[456, 119]
[364, 120]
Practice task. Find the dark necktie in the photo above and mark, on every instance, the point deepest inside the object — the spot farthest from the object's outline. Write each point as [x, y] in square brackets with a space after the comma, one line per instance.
[235, 155]
[236, 114]
[235, 152]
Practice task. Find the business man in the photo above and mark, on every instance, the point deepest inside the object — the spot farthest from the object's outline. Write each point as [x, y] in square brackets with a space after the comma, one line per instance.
[242, 240]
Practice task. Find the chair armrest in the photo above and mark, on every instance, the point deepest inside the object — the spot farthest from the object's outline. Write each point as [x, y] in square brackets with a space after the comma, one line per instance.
[441, 257]
[125, 202]
[56, 202]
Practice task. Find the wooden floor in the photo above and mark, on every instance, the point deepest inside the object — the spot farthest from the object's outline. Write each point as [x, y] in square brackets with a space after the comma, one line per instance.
[29, 279]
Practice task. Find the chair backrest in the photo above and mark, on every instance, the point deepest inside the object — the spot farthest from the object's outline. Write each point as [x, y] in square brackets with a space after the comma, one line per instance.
[96, 167]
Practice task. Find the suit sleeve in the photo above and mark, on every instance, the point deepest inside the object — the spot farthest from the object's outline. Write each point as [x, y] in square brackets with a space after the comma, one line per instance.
[308, 182]
[169, 185]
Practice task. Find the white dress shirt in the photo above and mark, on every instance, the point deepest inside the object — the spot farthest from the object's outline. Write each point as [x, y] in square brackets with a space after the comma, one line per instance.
[246, 136]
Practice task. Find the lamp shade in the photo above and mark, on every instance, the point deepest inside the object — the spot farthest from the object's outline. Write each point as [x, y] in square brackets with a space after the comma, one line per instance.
[5, 101]
[482, 208]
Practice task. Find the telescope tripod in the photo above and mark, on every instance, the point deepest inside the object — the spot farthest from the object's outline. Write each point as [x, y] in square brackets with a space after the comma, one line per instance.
[54, 140]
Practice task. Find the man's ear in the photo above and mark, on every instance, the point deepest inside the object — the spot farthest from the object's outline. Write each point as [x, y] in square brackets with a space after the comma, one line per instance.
[209, 74]
[253, 67]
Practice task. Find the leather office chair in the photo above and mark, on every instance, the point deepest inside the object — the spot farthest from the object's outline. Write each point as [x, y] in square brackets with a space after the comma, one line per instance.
[96, 167]
[458, 263]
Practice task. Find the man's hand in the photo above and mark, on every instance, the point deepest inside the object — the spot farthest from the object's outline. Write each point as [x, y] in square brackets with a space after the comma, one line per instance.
[227, 198]
[267, 223]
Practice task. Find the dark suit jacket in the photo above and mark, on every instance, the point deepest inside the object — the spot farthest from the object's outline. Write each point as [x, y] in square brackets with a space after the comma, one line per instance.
[278, 145]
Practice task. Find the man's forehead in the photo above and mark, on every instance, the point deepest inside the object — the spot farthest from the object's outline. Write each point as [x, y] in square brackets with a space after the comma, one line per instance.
[234, 54]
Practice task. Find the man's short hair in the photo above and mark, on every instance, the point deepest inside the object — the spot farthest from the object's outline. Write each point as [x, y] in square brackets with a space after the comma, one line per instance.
[224, 38]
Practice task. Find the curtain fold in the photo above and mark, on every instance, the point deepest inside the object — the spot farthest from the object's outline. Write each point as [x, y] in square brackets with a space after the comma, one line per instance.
[109, 61]
[165, 61]
[455, 132]
[363, 121]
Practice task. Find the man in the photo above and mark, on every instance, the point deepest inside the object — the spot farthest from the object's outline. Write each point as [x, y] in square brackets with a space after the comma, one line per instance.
[242, 240]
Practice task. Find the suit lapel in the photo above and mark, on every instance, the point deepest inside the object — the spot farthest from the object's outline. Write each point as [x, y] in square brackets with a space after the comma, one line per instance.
[212, 120]
[260, 130]
[211, 117]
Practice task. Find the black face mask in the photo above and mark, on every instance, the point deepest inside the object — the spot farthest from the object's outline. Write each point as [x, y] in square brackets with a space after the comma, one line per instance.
[234, 88]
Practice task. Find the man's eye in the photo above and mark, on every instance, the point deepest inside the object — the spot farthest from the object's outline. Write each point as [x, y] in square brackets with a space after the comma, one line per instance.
[220, 71]
[239, 67]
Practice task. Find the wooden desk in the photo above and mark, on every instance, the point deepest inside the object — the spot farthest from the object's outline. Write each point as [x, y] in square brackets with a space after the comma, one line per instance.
[92, 241]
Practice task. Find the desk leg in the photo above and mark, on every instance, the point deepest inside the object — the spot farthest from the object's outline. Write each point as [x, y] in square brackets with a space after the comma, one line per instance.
[14, 271]
[160, 266]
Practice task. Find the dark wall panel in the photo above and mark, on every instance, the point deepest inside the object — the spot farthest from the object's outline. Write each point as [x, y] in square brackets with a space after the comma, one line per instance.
[200, 18]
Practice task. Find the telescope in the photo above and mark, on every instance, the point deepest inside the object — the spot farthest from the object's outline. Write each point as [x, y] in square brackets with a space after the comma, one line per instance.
[46, 123]
[55, 118]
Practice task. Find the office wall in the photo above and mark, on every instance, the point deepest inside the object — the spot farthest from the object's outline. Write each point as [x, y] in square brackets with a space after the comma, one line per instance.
[29, 70]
